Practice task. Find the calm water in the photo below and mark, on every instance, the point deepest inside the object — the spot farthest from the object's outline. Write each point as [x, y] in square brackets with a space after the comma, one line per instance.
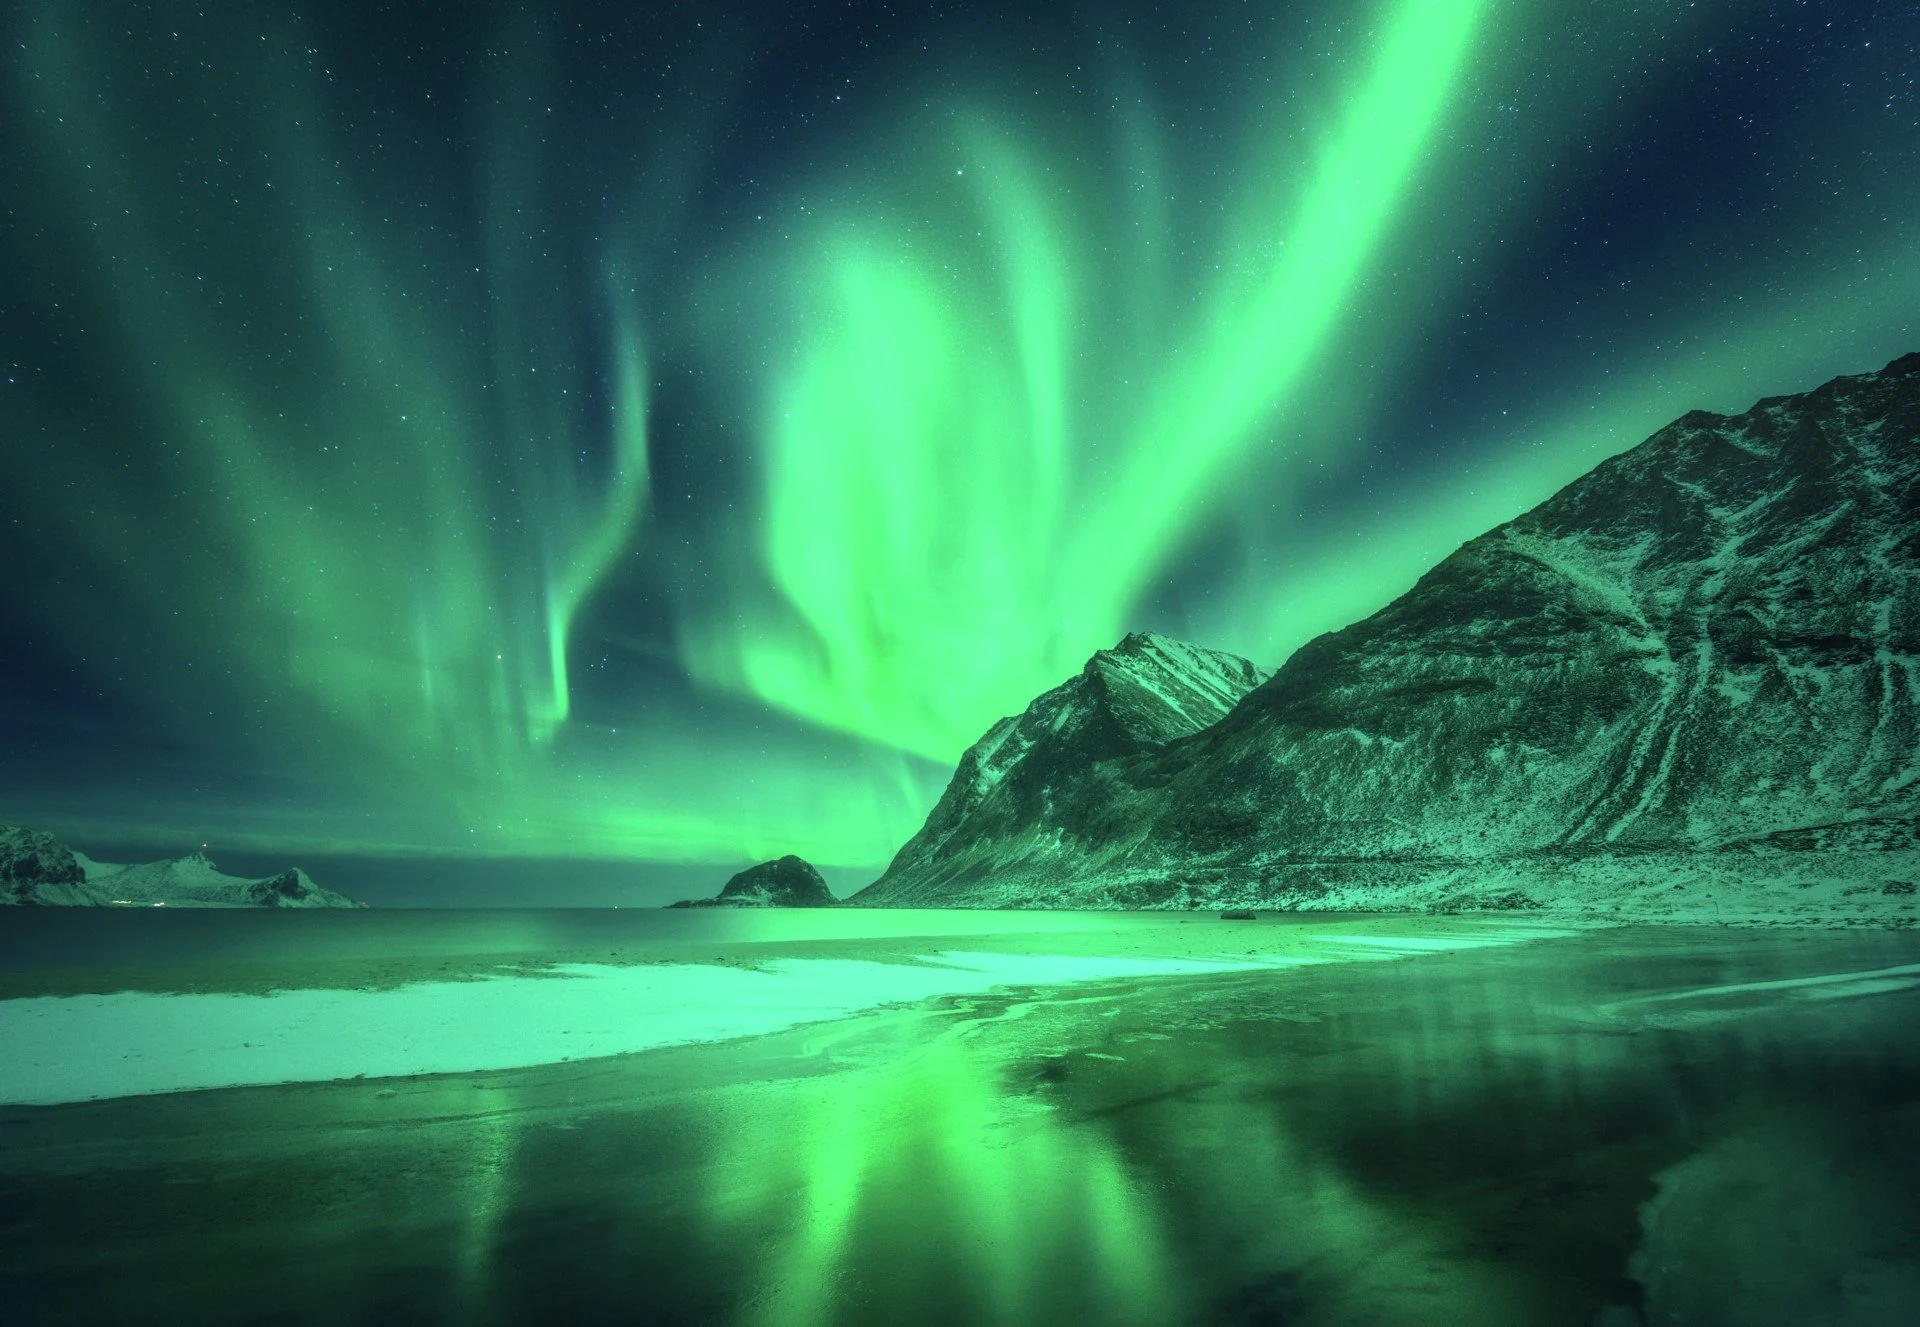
[124, 938]
[1618, 1127]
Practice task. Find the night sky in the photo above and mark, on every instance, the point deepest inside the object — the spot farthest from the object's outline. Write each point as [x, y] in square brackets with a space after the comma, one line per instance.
[674, 432]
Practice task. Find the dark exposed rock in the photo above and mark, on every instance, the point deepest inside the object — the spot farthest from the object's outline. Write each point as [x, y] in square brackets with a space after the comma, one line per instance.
[1059, 767]
[786, 882]
[1708, 647]
[289, 889]
[30, 861]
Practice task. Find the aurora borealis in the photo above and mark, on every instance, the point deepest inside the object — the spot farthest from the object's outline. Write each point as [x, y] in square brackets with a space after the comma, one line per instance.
[675, 432]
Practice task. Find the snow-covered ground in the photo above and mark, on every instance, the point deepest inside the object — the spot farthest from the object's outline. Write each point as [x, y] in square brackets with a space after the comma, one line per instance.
[57, 1049]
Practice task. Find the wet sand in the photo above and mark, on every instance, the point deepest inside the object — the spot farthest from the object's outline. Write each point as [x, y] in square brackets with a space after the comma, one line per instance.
[1619, 1126]
[187, 1026]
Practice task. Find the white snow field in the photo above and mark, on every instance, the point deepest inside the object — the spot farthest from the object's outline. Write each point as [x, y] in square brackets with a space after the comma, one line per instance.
[56, 1049]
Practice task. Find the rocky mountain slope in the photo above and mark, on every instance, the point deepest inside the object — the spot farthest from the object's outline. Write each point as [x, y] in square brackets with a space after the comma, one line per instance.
[1021, 783]
[1695, 666]
[36, 868]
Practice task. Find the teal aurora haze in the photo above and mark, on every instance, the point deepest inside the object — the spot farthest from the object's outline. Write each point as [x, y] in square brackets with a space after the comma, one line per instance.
[674, 432]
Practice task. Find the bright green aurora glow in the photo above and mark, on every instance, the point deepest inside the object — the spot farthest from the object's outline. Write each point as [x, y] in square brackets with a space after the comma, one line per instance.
[944, 403]
[470, 467]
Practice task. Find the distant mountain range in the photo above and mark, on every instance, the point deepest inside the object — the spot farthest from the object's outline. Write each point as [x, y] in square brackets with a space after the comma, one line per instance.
[1691, 674]
[36, 868]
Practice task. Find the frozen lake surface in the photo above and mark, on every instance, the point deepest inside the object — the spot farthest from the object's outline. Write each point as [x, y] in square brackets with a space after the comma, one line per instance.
[857, 1117]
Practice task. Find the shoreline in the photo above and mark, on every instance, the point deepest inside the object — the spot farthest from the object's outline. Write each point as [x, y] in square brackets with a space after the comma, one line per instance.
[501, 1016]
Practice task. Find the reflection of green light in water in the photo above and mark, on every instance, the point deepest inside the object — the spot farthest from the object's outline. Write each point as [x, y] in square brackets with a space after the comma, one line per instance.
[970, 1196]
[932, 1162]
[488, 1198]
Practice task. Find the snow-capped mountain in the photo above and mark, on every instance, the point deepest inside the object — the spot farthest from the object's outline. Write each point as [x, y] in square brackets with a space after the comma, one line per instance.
[37, 869]
[1018, 785]
[1705, 651]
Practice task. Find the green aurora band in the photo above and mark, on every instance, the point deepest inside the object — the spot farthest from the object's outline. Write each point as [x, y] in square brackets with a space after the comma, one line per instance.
[392, 470]
[975, 543]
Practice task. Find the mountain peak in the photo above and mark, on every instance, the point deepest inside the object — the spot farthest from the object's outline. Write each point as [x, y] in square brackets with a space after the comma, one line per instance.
[1156, 689]
[1141, 642]
[1134, 699]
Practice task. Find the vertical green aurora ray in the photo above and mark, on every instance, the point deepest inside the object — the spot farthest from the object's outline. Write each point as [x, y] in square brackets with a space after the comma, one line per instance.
[904, 558]
[536, 381]
[570, 583]
[369, 486]
[1268, 320]
[306, 605]
[951, 391]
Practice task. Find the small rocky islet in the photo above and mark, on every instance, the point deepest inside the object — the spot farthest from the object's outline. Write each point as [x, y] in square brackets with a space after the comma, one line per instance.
[784, 882]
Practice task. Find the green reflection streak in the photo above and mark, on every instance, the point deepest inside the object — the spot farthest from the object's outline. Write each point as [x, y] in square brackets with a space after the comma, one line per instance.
[925, 1165]
[486, 1201]
[963, 465]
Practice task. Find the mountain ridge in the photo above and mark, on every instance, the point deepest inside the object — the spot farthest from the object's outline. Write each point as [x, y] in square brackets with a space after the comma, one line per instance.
[37, 869]
[1704, 644]
[1142, 695]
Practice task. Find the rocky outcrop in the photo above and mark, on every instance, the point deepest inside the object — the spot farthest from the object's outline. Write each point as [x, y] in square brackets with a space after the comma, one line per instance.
[1707, 647]
[290, 889]
[786, 882]
[36, 868]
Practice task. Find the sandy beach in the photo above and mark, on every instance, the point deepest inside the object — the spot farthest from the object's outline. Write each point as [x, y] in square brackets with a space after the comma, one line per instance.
[185, 1026]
